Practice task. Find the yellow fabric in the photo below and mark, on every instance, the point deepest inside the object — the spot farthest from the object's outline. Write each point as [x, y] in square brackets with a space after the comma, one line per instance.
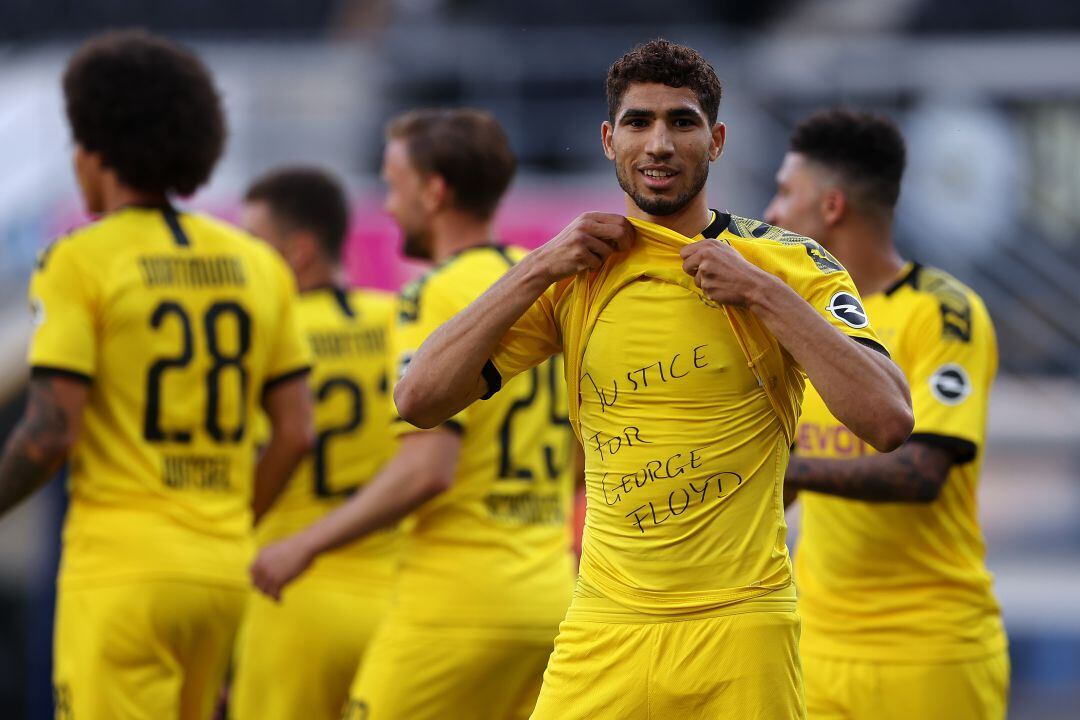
[495, 548]
[860, 690]
[906, 581]
[350, 385]
[738, 667]
[686, 411]
[298, 658]
[143, 651]
[161, 476]
[433, 672]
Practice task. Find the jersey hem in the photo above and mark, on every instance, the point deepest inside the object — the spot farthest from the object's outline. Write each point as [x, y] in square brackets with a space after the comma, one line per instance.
[285, 377]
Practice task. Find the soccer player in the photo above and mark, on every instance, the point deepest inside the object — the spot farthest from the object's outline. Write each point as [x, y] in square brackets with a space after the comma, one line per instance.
[328, 617]
[486, 571]
[685, 364]
[900, 620]
[158, 335]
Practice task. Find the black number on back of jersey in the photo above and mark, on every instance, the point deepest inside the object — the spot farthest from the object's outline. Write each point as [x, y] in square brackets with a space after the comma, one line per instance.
[508, 469]
[223, 361]
[351, 390]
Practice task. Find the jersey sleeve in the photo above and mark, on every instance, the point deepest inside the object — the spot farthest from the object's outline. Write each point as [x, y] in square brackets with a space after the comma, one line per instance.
[950, 374]
[290, 354]
[64, 305]
[530, 341]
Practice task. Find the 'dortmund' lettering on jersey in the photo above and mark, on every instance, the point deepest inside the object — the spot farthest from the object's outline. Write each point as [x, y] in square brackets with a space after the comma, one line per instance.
[846, 308]
[950, 384]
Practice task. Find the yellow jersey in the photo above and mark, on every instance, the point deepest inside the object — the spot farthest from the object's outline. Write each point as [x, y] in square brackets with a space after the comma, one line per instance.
[494, 549]
[685, 449]
[348, 333]
[907, 581]
[179, 323]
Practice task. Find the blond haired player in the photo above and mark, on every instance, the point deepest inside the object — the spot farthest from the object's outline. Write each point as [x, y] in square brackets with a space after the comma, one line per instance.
[687, 359]
[158, 335]
[899, 617]
[485, 572]
[328, 617]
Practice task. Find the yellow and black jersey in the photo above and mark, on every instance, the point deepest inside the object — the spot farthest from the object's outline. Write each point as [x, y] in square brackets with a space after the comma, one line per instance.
[348, 333]
[906, 581]
[178, 323]
[495, 548]
[686, 411]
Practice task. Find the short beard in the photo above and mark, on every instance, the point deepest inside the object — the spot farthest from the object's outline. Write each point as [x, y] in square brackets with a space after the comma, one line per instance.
[662, 206]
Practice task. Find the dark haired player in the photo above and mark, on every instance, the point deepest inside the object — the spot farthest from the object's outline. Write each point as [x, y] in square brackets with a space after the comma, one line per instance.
[329, 616]
[899, 617]
[485, 572]
[689, 362]
[158, 335]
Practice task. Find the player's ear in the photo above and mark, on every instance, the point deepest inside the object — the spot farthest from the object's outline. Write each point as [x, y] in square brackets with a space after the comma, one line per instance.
[834, 205]
[607, 131]
[434, 193]
[719, 135]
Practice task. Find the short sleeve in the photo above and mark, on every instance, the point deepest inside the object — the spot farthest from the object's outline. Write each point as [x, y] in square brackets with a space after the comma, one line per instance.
[950, 374]
[290, 353]
[530, 341]
[64, 305]
[834, 297]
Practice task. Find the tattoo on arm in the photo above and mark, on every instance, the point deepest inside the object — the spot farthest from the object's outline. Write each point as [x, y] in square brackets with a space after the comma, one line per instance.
[914, 473]
[38, 445]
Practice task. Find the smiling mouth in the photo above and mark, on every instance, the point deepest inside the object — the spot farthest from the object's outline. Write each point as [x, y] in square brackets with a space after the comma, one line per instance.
[658, 174]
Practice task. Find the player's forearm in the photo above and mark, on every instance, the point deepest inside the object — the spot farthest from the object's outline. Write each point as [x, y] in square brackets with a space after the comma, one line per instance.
[273, 470]
[445, 374]
[861, 387]
[914, 473]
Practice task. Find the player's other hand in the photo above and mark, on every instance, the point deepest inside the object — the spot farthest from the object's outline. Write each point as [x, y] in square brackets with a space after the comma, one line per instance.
[278, 564]
[584, 244]
[725, 276]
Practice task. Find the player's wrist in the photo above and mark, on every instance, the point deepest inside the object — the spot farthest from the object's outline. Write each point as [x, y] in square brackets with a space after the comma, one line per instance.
[762, 292]
[535, 274]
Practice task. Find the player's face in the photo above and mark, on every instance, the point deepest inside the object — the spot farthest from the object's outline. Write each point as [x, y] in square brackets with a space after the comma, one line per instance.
[88, 173]
[258, 220]
[798, 203]
[405, 199]
[662, 144]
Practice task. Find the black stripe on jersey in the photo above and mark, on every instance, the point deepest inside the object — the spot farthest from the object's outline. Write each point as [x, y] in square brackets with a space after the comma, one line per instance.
[504, 253]
[43, 371]
[454, 426]
[284, 377]
[867, 342]
[494, 379]
[173, 221]
[963, 451]
[911, 277]
[719, 222]
[342, 299]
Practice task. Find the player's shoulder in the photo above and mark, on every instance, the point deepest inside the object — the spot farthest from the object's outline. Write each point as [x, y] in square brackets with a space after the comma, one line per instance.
[779, 238]
[458, 280]
[943, 300]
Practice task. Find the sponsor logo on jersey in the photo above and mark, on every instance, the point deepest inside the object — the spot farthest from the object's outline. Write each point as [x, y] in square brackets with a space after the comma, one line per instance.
[846, 308]
[950, 384]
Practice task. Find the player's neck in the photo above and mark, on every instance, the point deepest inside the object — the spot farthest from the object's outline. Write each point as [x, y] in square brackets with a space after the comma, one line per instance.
[317, 275]
[866, 250]
[453, 232]
[116, 196]
[688, 221]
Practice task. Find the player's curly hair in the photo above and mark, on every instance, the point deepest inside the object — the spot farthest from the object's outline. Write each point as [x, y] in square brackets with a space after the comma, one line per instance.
[149, 107]
[306, 198]
[667, 63]
[867, 150]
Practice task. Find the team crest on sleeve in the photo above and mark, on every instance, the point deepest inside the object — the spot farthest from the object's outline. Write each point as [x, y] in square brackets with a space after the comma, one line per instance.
[846, 308]
[950, 384]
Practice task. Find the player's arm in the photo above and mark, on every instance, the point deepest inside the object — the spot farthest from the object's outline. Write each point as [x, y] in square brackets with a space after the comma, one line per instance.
[288, 407]
[915, 473]
[446, 374]
[422, 469]
[41, 441]
[862, 388]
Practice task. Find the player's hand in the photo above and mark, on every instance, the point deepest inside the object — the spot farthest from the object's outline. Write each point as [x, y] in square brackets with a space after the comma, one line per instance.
[278, 564]
[584, 244]
[725, 276]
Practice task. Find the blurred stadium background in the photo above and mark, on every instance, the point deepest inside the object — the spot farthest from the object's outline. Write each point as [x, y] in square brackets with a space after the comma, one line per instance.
[988, 95]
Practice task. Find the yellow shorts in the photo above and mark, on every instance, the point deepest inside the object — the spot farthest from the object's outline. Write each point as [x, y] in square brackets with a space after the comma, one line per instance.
[862, 690]
[419, 672]
[736, 666]
[153, 649]
[297, 659]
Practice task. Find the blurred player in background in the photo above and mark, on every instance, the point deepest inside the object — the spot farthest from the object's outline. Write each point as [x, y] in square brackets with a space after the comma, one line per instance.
[158, 336]
[296, 659]
[486, 570]
[899, 617]
[685, 606]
